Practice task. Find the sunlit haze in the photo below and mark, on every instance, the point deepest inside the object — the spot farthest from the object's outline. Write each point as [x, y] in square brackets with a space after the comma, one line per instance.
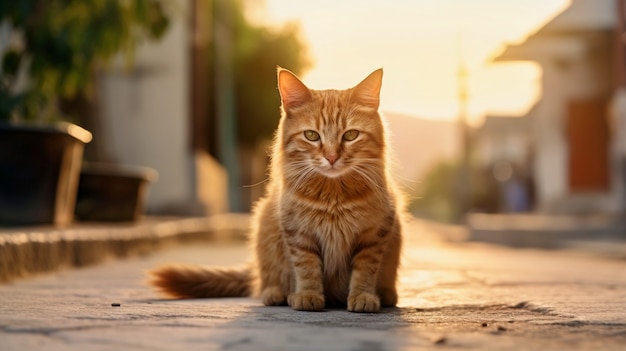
[420, 43]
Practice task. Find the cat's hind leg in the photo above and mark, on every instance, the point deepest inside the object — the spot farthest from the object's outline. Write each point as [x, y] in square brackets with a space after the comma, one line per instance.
[271, 259]
[273, 296]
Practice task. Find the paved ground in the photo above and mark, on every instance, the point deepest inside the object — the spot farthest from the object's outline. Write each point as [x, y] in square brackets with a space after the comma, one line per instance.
[453, 296]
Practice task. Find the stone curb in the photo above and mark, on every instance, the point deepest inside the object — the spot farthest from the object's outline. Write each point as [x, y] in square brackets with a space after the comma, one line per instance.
[25, 251]
[545, 231]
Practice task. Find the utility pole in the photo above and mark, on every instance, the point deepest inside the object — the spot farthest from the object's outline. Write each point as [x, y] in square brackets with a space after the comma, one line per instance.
[225, 98]
[620, 42]
[464, 180]
[618, 109]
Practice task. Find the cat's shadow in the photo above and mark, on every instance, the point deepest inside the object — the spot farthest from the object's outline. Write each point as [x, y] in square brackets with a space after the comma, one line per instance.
[250, 310]
[387, 317]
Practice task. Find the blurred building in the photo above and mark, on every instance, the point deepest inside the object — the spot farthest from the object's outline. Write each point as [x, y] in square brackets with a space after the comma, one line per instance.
[503, 145]
[571, 159]
[156, 116]
[503, 138]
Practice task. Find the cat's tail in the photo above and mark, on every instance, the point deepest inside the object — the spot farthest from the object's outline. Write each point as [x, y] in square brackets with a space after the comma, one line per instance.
[189, 282]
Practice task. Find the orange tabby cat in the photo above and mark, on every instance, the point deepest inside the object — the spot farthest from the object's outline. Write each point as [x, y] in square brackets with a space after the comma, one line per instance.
[327, 232]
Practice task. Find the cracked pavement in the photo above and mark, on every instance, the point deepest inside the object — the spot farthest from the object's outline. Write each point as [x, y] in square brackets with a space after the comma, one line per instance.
[452, 296]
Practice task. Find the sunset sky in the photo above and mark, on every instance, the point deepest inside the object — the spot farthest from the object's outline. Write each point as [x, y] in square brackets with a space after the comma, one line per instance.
[419, 43]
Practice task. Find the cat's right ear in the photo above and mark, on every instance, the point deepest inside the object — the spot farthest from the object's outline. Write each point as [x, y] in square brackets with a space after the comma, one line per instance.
[293, 93]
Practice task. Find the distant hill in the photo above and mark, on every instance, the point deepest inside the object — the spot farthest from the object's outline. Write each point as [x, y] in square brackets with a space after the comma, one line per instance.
[419, 143]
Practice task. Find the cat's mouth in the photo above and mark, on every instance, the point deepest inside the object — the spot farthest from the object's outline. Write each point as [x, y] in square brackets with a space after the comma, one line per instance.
[333, 171]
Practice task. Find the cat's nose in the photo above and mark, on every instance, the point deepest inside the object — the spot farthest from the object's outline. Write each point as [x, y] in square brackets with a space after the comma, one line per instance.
[332, 158]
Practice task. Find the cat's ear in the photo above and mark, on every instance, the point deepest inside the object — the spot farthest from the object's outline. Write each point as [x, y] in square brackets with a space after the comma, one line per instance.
[367, 93]
[293, 92]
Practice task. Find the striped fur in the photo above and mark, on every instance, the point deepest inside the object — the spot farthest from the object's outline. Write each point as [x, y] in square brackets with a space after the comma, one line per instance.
[328, 231]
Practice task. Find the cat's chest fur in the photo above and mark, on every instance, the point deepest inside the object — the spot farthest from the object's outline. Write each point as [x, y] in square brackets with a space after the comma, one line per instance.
[337, 220]
[334, 214]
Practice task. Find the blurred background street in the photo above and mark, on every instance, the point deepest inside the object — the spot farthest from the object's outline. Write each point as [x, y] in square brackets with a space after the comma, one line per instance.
[136, 132]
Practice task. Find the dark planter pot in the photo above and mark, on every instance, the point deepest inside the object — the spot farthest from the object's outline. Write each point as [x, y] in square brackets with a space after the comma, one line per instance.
[113, 193]
[39, 170]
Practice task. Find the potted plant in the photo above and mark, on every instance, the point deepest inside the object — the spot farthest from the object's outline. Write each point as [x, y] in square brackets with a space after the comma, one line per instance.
[39, 168]
[51, 51]
[111, 192]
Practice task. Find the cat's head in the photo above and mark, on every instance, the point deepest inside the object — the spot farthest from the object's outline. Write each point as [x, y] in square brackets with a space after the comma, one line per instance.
[330, 132]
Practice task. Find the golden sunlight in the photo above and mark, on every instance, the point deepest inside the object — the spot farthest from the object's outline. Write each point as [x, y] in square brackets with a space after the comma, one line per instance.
[420, 45]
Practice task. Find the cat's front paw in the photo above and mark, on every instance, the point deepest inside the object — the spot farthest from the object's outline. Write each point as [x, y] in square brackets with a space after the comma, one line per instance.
[363, 302]
[306, 301]
[273, 296]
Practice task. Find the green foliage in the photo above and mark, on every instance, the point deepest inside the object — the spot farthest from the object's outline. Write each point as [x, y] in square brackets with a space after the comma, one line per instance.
[258, 50]
[62, 42]
[438, 199]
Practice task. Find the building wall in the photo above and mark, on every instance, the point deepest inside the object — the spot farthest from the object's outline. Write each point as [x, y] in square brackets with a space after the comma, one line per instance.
[507, 145]
[550, 154]
[145, 116]
[566, 78]
[618, 127]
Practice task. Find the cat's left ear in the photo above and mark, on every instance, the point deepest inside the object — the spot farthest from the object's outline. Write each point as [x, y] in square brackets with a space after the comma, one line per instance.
[367, 93]
[293, 92]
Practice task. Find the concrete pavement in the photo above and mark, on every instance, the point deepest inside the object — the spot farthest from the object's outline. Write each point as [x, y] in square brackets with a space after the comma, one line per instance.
[453, 296]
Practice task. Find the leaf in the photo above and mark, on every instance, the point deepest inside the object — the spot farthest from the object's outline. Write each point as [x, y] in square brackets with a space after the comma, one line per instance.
[65, 40]
[11, 63]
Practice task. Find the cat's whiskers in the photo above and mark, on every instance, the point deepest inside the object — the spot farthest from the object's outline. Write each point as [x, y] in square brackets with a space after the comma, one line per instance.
[299, 175]
[302, 181]
[256, 184]
[373, 179]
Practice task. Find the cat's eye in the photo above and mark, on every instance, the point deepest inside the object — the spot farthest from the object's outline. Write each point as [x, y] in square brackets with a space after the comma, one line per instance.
[350, 135]
[311, 135]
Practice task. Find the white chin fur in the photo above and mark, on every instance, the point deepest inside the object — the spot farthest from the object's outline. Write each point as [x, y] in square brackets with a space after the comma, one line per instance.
[333, 172]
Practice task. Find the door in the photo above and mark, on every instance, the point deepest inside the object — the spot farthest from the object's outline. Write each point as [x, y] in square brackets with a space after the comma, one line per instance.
[588, 141]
